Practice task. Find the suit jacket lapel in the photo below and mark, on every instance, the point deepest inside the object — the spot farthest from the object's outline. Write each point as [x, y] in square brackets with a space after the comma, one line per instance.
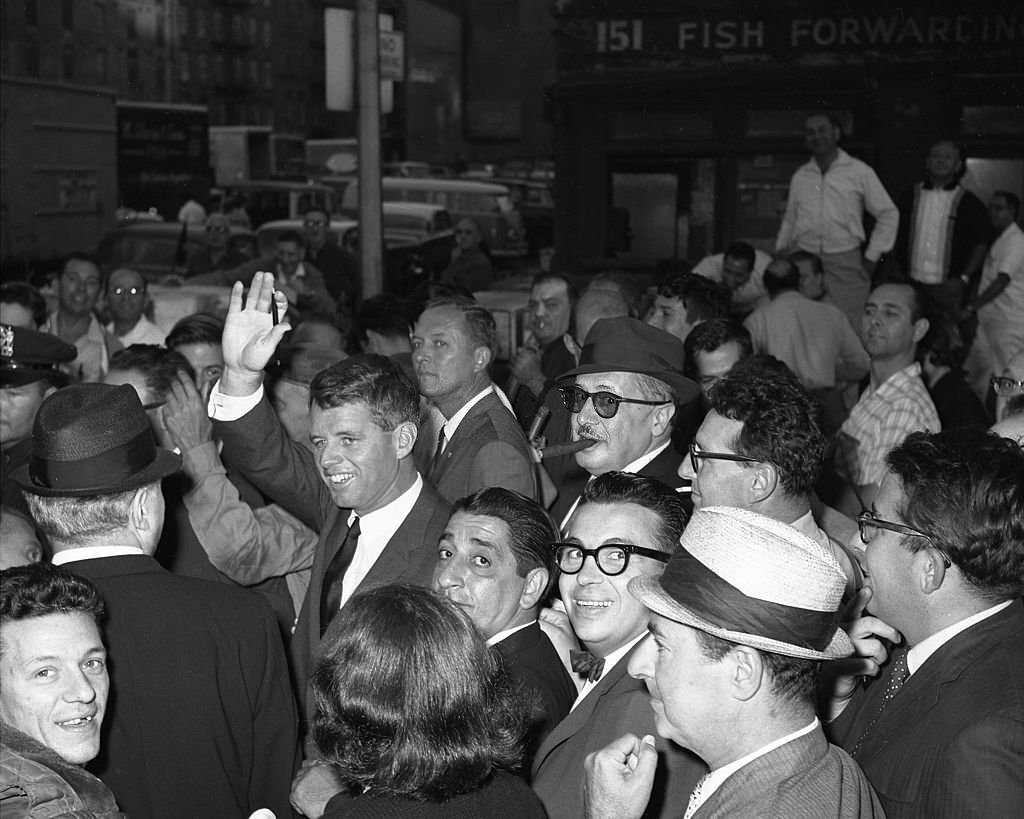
[466, 429]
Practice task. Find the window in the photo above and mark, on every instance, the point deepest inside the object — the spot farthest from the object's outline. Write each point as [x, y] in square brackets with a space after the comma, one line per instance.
[202, 68]
[32, 58]
[266, 34]
[67, 62]
[131, 68]
[237, 29]
[184, 66]
[220, 70]
[254, 72]
[67, 14]
[131, 24]
[201, 24]
[160, 76]
[254, 31]
[101, 17]
[268, 75]
[32, 16]
[218, 25]
[237, 71]
[182, 20]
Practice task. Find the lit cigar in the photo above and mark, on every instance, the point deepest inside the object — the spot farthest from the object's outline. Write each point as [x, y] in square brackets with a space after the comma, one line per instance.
[568, 448]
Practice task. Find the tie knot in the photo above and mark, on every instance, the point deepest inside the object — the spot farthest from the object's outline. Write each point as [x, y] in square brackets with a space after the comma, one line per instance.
[586, 665]
[354, 528]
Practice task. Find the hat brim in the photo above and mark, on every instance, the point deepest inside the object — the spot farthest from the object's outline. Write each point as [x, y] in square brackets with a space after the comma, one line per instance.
[649, 592]
[21, 376]
[166, 463]
[684, 389]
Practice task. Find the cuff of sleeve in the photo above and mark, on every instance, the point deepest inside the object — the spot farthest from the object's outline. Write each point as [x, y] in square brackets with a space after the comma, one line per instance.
[231, 407]
[202, 460]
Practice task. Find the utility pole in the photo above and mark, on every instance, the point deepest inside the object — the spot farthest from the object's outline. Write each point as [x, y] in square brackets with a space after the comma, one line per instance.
[370, 236]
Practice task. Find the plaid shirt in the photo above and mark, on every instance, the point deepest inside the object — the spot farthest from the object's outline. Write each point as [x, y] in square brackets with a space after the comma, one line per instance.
[880, 420]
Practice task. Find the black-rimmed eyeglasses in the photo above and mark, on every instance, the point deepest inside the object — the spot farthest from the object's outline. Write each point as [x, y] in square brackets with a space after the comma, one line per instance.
[611, 558]
[606, 404]
[696, 455]
[868, 523]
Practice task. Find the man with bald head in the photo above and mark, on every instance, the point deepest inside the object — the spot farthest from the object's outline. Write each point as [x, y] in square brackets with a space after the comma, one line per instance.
[126, 298]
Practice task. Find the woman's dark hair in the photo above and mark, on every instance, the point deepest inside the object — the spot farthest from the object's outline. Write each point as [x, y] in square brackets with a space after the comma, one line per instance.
[410, 701]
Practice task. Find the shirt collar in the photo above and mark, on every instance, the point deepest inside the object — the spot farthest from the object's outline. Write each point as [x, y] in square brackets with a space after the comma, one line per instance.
[645, 459]
[501, 635]
[398, 509]
[92, 552]
[452, 423]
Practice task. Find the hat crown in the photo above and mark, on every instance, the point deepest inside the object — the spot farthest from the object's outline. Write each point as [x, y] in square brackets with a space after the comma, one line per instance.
[86, 420]
[630, 345]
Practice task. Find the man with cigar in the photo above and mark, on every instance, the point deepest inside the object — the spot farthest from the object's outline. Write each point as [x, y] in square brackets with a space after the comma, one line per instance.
[623, 396]
[740, 621]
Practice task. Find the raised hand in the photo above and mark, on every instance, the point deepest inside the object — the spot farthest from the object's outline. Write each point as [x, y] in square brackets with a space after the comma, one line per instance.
[618, 778]
[250, 334]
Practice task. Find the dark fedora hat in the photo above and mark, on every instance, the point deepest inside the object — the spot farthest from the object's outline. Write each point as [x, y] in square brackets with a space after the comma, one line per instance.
[28, 355]
[93, 439]
[627, 345]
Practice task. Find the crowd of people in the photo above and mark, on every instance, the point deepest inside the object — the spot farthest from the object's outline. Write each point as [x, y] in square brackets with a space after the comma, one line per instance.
[749, 544]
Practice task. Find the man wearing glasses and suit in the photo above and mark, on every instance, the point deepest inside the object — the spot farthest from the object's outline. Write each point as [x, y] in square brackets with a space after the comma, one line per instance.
[623, 397]
[625, 526]
[941, 732]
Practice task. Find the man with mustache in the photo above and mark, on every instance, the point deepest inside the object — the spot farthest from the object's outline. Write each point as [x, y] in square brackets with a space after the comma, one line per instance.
[623, 397]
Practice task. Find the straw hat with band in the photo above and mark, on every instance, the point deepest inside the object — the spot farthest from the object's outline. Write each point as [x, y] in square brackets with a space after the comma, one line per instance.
[752, 580]
[93, 439]
[627, 345]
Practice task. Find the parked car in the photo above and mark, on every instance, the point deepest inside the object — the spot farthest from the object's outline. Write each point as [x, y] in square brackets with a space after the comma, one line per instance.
[265, 200]
[489, 205]
[159, 249]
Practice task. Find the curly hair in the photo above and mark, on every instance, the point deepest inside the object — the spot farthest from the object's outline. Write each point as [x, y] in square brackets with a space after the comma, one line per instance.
[39, 589]
[410, 702]
[782, 423]
[965, 488]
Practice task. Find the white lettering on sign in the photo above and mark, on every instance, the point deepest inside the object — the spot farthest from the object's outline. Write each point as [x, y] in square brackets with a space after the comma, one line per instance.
[721, 34]
[827, 32]
[620, 35]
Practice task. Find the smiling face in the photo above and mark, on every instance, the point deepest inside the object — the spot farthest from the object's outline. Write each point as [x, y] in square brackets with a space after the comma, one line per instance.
[689, 691]
[718, 482]
[78, 287]
[603, 613]
[820, 136]
[450, 367]
[887, 325]
[476, 570]
[358, 461]
[53, 682]
[634, 430]
[549, 310]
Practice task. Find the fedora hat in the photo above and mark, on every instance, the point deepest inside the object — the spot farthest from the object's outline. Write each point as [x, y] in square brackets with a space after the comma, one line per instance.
[93, 439]
[754, 581]
[627, 345]
[28, 355]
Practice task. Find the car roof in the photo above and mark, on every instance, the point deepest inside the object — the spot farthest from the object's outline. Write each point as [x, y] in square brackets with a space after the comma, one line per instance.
[277, 184]
[168, 229]
[423, 209]
[433, 183]
[297, 224]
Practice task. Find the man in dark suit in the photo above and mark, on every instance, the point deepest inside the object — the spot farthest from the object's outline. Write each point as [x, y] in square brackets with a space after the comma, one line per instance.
[741, 619]
[625, 526]
[941, 733]
[634, 373]
[201, 720]
[480, 443]
[496, 562]
[378, 521]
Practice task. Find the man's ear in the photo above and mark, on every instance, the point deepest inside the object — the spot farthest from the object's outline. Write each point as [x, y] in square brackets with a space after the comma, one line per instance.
[931, 569]
[140, 516]
[747, 672]
[920, 328]
[536, 584]
[764, 480]
[661, 418]
[404, 436]
[481, 359]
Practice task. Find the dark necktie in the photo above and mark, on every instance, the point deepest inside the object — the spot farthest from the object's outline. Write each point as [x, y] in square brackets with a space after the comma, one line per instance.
[898, 675]
[586, 665]
[435, 462]
[330, 595]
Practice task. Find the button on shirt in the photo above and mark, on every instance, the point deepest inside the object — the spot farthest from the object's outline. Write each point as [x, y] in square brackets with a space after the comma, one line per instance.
[880, 420]
[933, 231]
[824, 212]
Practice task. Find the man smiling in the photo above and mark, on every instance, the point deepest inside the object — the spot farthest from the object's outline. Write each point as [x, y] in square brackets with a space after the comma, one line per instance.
[53, 694]
[377, 519]
[626, 526]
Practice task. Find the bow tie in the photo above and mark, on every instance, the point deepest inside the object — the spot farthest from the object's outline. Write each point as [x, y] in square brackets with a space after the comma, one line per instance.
[586, 665]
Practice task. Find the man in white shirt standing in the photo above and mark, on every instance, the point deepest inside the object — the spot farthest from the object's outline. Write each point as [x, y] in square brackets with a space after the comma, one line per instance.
[999, 304]
[824, 215]
[941, 732]
[740, 621]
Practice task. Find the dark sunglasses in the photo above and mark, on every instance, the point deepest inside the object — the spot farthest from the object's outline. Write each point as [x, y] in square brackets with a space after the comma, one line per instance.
[606, 404]
[611, 558]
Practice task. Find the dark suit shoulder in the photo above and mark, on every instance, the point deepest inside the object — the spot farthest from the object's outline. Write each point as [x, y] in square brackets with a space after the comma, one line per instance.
[665, 468]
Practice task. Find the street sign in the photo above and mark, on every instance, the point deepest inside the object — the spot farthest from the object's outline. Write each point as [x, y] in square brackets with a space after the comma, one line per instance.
[392, 55]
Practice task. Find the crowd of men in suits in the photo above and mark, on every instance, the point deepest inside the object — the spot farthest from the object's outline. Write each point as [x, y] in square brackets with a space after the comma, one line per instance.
[731, 587]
